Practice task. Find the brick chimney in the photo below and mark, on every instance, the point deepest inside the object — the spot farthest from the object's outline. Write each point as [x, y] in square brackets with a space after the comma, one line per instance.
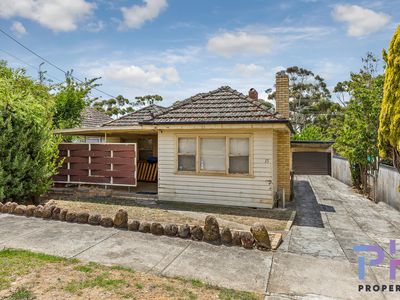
[253, 94]
[282, 94]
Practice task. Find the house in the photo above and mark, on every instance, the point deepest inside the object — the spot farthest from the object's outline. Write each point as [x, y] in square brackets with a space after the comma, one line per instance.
[90, 118]
[219, 147]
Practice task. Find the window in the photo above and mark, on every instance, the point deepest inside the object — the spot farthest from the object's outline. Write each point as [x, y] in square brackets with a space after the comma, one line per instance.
[219, 154]
[239, 155]
[145, 148]
[212, 154]
[187, 154]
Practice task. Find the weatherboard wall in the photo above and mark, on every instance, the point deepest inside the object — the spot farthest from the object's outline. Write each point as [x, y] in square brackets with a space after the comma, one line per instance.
[255, 190]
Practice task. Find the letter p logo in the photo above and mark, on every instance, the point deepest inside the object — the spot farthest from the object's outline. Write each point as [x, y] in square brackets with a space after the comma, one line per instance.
[373, 262]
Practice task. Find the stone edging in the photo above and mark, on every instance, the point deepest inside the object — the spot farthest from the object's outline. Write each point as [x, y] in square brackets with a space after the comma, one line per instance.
[257, 237]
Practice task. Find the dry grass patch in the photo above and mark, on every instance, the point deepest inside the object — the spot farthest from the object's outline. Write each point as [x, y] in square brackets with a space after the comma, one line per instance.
[27, 275]
[180, 213]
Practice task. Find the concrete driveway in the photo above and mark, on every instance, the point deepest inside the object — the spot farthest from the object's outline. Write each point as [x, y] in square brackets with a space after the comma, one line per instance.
[315, 261]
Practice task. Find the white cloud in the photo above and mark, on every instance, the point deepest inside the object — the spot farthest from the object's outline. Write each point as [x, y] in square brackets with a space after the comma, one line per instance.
[232, 43]
[361, 21]
[95, 26]
[58, 15]
[137, 76]
[135, 16]
[248, 70]
[18, 28]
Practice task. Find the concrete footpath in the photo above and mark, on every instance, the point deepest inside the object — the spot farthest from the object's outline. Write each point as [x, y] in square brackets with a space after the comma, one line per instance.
[315, 261]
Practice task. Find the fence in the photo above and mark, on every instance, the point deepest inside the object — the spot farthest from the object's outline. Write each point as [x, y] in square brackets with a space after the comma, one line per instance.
[387, 183]
[105, 164]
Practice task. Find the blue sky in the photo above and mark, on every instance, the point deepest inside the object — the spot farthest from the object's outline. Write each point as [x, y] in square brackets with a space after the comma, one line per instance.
[177, 48]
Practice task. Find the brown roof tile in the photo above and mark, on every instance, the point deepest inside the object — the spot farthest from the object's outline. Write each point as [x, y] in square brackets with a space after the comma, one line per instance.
[134, 118]
[91, 117]
[223, 105]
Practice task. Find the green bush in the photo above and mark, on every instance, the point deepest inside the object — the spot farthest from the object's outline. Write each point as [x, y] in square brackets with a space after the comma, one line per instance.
[28, 148]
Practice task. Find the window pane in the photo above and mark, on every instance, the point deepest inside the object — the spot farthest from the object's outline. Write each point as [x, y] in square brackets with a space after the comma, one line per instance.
[239, 147]
[187, 145]
[239, 164]
[186, 163]
[212, 151]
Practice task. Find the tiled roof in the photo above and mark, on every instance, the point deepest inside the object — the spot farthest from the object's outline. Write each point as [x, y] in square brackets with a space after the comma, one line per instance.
[91, 117]
[145, 113]
[223, 105]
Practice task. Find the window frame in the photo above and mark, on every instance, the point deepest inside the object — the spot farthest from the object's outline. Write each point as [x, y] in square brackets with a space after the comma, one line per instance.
[227, 137]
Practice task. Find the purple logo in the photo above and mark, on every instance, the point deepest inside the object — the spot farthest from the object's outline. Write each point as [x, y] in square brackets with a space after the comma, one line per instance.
[362, 260]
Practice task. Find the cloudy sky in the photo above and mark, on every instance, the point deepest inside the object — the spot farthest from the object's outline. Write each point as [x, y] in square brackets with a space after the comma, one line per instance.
[177, 48]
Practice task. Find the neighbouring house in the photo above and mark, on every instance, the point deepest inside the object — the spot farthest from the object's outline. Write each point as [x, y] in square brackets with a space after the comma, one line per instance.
[91, 118]
[219, 147]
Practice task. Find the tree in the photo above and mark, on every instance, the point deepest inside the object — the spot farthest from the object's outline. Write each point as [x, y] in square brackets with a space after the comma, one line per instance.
[28, 147]
[358, 137]
[120, 105]
[389, 127]
[310, 133]
[71, 97]
[306, 90]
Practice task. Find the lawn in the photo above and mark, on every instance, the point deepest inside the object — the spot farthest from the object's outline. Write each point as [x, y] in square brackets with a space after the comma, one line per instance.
[28, 275]
[180, 213]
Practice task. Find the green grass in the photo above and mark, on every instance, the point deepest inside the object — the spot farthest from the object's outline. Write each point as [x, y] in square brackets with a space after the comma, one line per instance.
[103, 281]
[22, 293]
[84, 269]
[139, 286]
[121, 268]
[15, 263]
[197, 283]
[229, 294]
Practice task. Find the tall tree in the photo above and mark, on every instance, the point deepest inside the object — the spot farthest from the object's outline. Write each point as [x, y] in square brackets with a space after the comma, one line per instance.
[28, 147]
[358, 136]
[389, 128]
[119, 106]
[71, 97]
[306, 91]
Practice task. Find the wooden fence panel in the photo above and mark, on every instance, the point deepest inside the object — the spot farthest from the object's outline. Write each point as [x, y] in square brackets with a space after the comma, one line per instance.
[105, 164]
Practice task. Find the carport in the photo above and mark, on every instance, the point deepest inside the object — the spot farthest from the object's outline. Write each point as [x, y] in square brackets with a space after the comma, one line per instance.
[311, 157]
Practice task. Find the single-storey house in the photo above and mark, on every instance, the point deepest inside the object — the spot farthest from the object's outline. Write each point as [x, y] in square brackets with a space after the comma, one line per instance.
[219, 147]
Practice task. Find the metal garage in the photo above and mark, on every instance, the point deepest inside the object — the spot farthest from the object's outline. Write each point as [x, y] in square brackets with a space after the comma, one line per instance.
[311, 157]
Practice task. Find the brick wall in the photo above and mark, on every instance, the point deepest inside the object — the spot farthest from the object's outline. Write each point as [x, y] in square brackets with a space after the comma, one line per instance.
[282, 95]
[284, 163]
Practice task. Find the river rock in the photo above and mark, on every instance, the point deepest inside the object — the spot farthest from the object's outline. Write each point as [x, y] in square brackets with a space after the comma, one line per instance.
[70, 217]
[82, 217]
[261, 236]
[38, 211]
[171, 229]
[63, 214]
[94, 219]
[133, 225]
[247, 240]
[226, 236]
[184, 231]
[30, 209]
[55, 215]
[20, 210]
[106, 222]
[211, 230]
[121, 219]
[144, 227]
[236, 239]
[157, 229]
[196, 233]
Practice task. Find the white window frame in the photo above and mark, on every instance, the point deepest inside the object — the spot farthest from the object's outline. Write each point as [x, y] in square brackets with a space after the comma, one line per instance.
[227, 137]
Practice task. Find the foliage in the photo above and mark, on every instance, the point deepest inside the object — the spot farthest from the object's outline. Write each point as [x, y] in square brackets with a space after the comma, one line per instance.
[306, 91]
[120, 106]
[28, 147]
[357, 139]
[71, 97]
[389, 128]
[310, 133]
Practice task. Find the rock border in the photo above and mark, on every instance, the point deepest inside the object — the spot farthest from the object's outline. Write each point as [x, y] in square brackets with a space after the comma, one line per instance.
[209, 233]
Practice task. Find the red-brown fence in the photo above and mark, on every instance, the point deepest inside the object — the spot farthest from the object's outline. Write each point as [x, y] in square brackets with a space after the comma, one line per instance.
[105, 164]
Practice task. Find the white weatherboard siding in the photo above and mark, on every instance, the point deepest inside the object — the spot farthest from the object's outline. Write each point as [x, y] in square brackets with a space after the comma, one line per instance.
[254, 191]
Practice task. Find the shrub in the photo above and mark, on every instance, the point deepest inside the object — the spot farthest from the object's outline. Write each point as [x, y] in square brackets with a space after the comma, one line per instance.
[28, 148]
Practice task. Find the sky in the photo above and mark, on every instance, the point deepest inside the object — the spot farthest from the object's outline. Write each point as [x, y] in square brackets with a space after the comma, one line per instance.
[177, 48]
